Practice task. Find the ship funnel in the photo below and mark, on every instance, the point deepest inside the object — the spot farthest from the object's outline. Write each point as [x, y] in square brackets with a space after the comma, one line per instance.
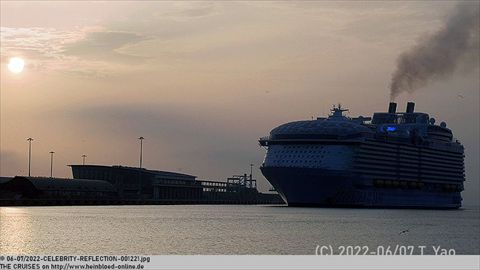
[392, 107]
[410, 107]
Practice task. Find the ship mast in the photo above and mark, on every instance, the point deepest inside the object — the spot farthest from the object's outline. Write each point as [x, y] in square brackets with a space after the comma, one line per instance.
[337, 111]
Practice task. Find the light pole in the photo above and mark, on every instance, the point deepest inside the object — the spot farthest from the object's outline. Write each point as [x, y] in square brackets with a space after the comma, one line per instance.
[83, 158]
[51, 163]
[251, 171]
[141, 150]
[29, 154]
[140, 171]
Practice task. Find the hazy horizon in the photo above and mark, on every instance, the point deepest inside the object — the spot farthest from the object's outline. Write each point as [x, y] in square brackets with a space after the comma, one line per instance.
[203, 81]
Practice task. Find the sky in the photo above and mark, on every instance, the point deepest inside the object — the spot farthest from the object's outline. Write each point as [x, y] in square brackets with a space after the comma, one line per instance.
[202, 81]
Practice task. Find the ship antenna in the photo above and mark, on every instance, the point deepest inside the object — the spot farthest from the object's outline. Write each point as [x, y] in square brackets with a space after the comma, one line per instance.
[338, 110]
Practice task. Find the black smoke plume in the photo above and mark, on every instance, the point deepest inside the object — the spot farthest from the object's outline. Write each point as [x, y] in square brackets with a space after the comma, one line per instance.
[437, 56]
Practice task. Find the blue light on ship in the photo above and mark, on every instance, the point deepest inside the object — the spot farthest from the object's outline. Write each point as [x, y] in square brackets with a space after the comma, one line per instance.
[391, 129]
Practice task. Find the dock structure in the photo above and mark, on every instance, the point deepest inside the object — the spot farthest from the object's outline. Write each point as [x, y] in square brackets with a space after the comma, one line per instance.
[101, 185]
[25, 190]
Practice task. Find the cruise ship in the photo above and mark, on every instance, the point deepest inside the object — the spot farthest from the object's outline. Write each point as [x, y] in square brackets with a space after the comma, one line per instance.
[391, 160]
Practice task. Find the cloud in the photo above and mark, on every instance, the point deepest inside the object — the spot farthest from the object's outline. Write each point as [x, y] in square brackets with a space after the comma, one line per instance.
[90, 52]
[191, 10]
[105, 46]
[36, 42]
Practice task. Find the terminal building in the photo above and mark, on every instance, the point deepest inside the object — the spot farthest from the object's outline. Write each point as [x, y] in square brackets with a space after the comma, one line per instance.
[99, 184]
[135, 183]
[56, 190]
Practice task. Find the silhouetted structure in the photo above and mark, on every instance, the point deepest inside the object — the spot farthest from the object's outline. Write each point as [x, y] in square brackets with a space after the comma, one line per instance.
[46, 190]
[97, 184]
[131, 182]
[161, 186]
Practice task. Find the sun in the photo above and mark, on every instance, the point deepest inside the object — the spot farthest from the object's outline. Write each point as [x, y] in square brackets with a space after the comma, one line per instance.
[16, 64]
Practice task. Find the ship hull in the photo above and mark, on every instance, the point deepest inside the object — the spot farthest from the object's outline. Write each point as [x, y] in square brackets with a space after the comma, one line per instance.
[329, 188]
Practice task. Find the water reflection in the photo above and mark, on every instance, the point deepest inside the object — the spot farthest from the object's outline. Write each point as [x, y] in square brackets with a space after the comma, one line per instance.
[16, 234]
[227, 229]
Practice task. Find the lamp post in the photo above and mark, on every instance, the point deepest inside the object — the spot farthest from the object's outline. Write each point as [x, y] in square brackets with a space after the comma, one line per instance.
[251, 171]
[140, 170]
[29, 154]
[141, 150]
[51, 163]
[83, 159]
